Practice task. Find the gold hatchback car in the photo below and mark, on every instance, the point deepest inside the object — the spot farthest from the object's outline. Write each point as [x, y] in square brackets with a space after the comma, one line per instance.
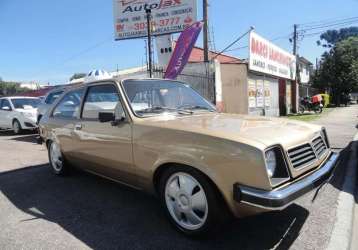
[162, 137]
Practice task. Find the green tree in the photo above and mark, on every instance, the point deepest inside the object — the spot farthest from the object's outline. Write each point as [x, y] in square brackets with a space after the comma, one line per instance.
[77, 76]
[339, 69]
[11, 88]
[329, 38]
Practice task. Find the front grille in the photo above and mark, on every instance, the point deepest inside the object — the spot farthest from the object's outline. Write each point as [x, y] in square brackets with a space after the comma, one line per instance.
[319, 146]
[29, 125]
[301, 155]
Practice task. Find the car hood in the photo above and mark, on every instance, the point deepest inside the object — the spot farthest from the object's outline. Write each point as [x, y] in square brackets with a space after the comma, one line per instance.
[258, 131]
[32, 111]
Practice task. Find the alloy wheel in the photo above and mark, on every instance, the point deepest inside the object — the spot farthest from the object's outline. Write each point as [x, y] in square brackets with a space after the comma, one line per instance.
[186, 201]
[16, 127]
[56, 157]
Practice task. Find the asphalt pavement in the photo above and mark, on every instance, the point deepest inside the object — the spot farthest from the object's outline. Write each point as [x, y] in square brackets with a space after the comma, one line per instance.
[82, 211]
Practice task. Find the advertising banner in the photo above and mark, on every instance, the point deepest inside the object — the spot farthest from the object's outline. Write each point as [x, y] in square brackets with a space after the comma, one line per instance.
[182, 51]
[252, 93]
[267, 94]
[168, 16]
[265, 57]
[260, 93]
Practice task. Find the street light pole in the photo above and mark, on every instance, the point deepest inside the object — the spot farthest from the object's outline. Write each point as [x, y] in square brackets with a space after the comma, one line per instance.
[149, 29]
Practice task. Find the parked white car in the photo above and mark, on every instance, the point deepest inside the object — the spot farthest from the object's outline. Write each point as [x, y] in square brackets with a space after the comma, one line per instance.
[18, 113]
[47, 101]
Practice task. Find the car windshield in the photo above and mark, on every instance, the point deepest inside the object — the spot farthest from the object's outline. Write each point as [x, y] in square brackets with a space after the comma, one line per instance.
[21, 103]
[153, 97]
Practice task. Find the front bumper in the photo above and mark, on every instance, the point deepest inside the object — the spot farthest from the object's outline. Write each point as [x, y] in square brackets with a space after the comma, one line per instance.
[29, 123]
[282, 197]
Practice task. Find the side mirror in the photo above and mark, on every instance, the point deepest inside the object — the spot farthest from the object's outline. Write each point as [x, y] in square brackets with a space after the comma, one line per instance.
[106, 117]
[6, 108]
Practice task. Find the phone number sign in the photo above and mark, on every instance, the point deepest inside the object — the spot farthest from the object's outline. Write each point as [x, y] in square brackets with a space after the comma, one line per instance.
[168, 16]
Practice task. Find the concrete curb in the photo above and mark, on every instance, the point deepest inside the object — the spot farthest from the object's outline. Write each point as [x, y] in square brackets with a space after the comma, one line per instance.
[343, 227]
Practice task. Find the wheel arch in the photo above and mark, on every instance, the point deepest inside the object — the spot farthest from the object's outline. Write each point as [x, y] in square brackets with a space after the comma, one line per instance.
[15, 119]
[159, 171]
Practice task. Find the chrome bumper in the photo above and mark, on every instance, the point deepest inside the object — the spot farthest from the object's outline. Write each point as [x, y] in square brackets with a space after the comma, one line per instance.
[282, 197]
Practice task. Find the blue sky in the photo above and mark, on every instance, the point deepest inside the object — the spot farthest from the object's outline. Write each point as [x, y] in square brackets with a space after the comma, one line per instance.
[48, 41]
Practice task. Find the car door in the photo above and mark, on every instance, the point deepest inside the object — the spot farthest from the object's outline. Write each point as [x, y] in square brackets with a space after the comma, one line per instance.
[63, 119]
[105, 147]
[6, 112]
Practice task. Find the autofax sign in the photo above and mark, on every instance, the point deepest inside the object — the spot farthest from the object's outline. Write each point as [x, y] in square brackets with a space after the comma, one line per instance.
[168, 16]
[265, 57]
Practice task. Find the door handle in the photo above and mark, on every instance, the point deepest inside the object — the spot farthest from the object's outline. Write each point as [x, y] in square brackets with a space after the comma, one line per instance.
[78, 126]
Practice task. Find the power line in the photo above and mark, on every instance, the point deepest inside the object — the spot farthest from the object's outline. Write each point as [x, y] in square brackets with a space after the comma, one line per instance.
[330, 25]
[86, 50]
[238, 48]
[326, 21]
[271, 40]
[233, 43]
[90, 48]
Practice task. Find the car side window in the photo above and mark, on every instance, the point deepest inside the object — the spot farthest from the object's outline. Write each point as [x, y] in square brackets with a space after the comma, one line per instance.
[52, 97]
[100, 98]
[5, 105]
[69, 106]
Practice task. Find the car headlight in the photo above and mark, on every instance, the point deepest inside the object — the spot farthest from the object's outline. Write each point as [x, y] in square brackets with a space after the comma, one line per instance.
[271, 162]
[276, 166]
[29, 115]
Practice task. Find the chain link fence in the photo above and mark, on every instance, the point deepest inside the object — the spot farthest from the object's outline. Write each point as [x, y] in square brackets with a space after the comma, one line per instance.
[204, 84]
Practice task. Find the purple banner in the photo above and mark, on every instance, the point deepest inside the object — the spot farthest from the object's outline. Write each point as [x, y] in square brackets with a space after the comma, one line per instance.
[182, 51]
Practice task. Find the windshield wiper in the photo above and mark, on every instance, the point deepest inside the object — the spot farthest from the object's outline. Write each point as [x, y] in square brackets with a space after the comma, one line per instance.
[193, 107]
[162, 109]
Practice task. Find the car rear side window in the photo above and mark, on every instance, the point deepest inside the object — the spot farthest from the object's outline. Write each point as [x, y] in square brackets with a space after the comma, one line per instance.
[101, 98]
[69, 106]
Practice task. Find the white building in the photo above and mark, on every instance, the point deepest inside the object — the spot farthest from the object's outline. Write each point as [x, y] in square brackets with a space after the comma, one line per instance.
[305, 69]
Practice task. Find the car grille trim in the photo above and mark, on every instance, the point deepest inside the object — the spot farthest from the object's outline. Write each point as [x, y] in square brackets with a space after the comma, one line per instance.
[301, 155]
[319, 146]
[306, 154]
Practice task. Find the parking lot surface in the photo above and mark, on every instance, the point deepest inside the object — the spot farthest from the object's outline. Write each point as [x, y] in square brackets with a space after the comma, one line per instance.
[42, 211]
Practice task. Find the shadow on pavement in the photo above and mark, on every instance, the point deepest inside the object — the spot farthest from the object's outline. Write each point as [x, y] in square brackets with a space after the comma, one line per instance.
[106, 215]
[348, 159]
[25, 136]
[31, 138]
[6, 133]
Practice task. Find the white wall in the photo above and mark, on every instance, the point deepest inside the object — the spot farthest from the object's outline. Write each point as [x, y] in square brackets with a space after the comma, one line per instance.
[304, 73]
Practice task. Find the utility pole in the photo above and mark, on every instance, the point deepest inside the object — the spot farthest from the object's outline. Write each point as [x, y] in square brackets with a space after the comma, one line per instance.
[296, 83]
[295, 39]
[206, 31]
[149, 29]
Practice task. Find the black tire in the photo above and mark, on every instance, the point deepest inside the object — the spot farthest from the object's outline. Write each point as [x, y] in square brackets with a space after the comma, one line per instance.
[301, 110]
[218, 212]
[60, 170]
[318, 110]
[16, 127]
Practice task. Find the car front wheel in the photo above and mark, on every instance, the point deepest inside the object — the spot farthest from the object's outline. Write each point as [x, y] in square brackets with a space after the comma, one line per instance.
[16, 127]
[191, 202]
[57, 162]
